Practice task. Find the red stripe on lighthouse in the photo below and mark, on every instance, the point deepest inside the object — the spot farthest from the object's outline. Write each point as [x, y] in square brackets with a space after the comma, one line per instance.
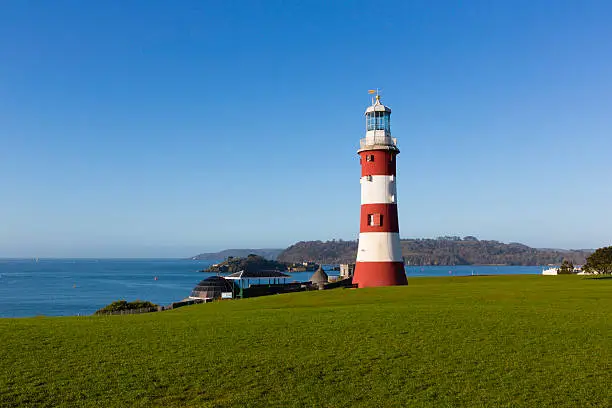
[368, 274]
[377, 162]
[379, 218]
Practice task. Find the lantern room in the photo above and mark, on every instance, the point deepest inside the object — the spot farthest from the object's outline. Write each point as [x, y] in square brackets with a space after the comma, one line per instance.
[378, 120]
[378, 117]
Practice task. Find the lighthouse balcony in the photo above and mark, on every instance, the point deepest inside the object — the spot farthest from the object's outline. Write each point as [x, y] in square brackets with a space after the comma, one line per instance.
[385, 142]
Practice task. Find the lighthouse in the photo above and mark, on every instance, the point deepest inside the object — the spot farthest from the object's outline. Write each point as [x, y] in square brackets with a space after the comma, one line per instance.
[379, 255]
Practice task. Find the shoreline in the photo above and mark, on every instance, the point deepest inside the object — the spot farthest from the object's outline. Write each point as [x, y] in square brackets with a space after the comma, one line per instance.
[76, 287]
[410, 278]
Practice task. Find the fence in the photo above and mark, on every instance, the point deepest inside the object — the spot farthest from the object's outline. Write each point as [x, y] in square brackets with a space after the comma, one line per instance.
[134, 311]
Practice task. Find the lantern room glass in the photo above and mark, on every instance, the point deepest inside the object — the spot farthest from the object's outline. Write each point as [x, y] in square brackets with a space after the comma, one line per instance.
[378, 121]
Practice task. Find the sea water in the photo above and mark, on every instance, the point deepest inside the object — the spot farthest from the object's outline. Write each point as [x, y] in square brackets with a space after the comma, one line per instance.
[63, 287]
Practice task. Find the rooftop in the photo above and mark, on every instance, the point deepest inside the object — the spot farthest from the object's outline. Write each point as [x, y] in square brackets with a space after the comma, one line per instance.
[257, 275]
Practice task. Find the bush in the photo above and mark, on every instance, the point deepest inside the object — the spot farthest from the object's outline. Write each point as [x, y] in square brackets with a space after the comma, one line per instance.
[120, 305]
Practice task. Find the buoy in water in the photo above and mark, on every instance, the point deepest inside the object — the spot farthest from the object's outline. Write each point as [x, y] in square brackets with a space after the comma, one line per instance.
[156, 278]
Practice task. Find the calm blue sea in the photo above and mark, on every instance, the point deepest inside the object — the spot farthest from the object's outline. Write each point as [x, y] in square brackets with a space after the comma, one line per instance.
[62, 287]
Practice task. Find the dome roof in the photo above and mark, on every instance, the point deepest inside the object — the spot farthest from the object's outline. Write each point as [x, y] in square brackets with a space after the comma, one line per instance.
[377, 107]
[319, 276]
[212, 287]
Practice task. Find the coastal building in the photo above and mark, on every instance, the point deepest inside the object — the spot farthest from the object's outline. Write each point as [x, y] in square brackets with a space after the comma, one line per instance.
[379, 254]
[551, 271]
[302, 267]
[253, 283]
[346, 270]
[214, 287]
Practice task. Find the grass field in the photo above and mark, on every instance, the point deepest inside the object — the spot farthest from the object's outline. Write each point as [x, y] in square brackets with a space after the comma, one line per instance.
[506, 341]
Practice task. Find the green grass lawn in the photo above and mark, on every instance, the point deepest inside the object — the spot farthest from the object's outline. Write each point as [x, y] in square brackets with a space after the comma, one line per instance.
[506, 341]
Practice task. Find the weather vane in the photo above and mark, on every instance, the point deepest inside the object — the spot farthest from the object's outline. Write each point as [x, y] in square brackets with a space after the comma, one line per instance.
[374, 91]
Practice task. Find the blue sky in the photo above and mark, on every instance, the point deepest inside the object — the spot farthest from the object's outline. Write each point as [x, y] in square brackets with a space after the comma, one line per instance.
[153, 128]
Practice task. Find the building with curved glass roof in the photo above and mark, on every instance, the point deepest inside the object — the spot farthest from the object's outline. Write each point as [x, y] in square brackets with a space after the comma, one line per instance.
[214, 287]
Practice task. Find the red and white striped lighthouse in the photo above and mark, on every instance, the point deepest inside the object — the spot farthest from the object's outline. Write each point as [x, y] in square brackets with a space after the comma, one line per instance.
[379, 256]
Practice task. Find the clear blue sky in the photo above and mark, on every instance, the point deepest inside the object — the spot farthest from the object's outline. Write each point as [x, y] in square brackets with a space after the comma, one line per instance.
[157, 128]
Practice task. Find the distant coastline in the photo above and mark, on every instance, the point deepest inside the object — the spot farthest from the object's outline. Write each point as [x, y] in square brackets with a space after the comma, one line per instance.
[268, 253]
[442, 251]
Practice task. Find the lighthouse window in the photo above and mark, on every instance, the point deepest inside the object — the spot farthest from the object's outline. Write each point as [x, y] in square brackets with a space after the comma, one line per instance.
[378, 121]
[375, 220]
[370, 157]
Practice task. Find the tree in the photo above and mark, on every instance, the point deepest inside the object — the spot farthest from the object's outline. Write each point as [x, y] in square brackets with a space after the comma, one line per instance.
[599, 261]
[566, 268]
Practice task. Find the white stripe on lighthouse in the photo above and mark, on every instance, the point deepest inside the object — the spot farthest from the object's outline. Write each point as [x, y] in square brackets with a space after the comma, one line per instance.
[378, 190]
[379, 247]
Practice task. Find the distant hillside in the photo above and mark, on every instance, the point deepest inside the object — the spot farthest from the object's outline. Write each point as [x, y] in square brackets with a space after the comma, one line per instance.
[330, 252]
[440, 251]
[270, 253]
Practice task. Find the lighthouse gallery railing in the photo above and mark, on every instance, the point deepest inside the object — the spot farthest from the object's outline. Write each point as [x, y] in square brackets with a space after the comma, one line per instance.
[377, 140]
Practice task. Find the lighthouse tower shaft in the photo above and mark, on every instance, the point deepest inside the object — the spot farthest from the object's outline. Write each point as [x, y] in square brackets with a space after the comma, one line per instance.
[379, 255]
